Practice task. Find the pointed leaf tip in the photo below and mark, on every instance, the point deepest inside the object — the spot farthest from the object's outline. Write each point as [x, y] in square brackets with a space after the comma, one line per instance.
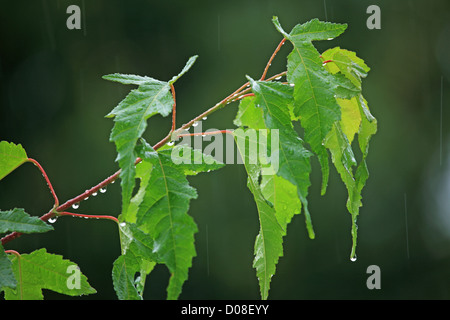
[186, 68]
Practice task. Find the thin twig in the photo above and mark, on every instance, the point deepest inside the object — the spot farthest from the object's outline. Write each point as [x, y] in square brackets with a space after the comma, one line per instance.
[52, 191]
[271, 59]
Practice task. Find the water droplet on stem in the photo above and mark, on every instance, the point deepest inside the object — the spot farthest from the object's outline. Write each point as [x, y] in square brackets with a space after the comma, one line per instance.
[52, 220]
[76, 205]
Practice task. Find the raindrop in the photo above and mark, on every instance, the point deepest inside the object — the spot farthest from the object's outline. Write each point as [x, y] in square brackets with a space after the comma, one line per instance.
[195, 124]
[94, 194]
[330, 38]
[278, 78]
[292, 84]
[76, 205]
[204, 118]
[122, 224]
[353, 259]
[52, 220]
[171, 143]
[103, 190]
[203, 135]
[113, 181]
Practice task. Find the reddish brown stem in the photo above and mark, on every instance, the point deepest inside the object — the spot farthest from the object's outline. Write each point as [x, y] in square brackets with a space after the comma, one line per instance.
[327, 61]
[271, 58]
[52, 191]
[89, 216]
[174, 109]
[14, 252]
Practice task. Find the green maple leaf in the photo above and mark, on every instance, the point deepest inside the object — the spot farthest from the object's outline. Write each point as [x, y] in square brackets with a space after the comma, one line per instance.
[315, 88]
[163, 231]
[130, 120]
[41, 270]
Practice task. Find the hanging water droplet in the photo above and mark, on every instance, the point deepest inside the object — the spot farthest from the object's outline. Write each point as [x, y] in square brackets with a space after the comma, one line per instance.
[195, 124]
[76, 205]
[94, 194]
[292, 84]
[171, 143]
[203, 135]
[204, 118]
[353, 259]
[113, 181]
[209, 170]
[330, 38]
[278, 78]
[103, 190]
[122, 224]
[52, 220]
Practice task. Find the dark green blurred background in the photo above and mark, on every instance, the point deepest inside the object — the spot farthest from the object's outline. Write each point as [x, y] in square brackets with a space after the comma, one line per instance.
[53, 101]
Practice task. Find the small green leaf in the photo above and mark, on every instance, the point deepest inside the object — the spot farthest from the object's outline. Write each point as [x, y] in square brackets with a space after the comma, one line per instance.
[186, 68]
[124, 269]
[11, 156]
[20, 221]
[41, 270]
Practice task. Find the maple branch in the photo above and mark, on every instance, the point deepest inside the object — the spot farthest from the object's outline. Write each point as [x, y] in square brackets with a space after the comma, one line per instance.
[238, 94]
[271, 58]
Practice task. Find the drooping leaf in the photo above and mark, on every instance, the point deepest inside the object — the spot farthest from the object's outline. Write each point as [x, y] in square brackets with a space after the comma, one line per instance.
[162, 209]
[41, 270]
[315, 88]
[356, 118]
[130, 121]
[20, 221]
[11, 156]
[269, 242]
[292, 157]
[7, 279]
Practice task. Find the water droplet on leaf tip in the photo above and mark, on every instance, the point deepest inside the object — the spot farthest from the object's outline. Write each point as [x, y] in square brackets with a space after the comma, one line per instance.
[76, 205]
